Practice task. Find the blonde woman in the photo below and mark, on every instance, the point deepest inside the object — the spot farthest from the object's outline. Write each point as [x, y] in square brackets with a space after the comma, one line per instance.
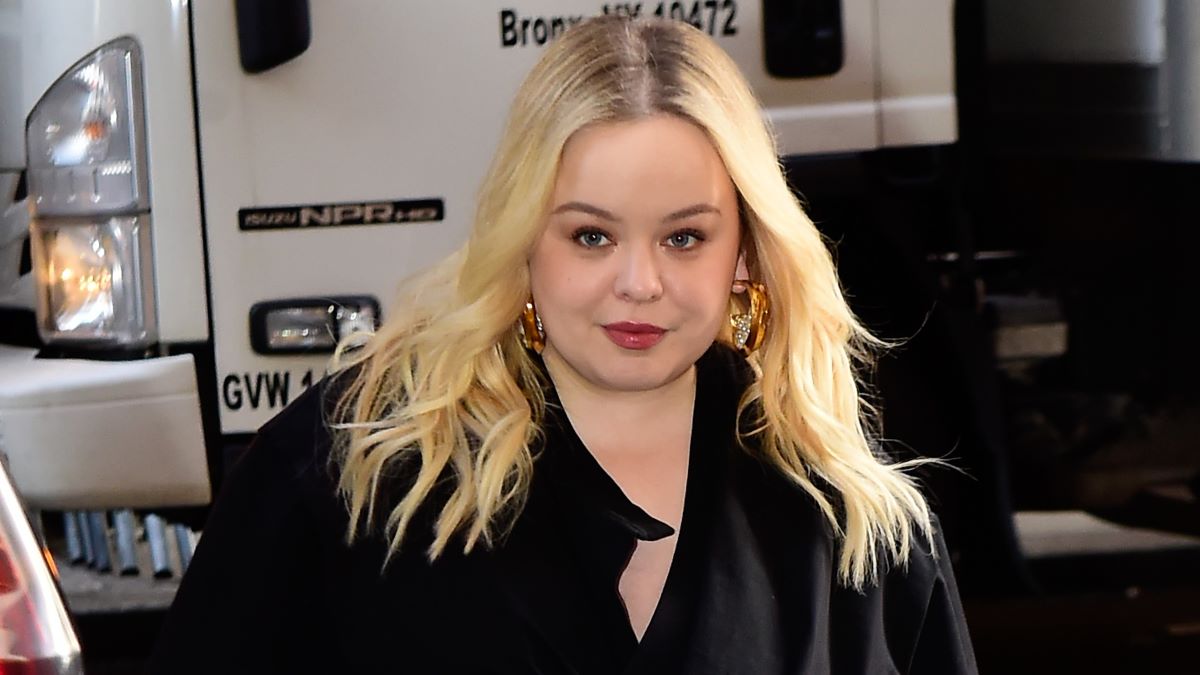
[618, 432]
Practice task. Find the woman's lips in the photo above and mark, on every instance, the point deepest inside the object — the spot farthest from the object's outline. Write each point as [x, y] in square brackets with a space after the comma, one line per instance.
[629, 335]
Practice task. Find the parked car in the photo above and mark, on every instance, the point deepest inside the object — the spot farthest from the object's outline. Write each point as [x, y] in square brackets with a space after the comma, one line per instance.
[36, 636]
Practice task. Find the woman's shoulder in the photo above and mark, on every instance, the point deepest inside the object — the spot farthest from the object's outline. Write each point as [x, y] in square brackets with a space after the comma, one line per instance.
[917, 605]
[298, 442]
[314, 404]
[798, 510]
[269, 532]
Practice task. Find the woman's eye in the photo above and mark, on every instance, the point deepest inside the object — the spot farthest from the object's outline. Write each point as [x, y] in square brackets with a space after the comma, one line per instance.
[684, 240]
[591, 238]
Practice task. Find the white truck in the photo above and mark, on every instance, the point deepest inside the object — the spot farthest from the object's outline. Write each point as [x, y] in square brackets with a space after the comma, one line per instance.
[215, 190]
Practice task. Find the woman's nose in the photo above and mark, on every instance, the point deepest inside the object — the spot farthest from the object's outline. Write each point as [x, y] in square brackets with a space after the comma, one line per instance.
[639, 278]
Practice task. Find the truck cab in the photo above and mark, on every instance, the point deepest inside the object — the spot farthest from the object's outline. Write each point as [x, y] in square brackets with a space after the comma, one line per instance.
[217, 191]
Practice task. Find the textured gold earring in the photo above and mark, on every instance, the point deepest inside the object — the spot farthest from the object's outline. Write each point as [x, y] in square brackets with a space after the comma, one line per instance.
[750, 327]
[530, 325]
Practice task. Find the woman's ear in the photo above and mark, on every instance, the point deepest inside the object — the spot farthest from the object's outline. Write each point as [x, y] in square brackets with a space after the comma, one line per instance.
[741, 274]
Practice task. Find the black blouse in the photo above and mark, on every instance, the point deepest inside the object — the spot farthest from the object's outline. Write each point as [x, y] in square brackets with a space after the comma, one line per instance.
[273, 588]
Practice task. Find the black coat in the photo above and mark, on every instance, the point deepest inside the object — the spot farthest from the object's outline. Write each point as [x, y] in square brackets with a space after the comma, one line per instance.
[273, 588]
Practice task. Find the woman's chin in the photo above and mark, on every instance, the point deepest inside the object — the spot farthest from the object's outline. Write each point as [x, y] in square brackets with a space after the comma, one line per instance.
[637, 374]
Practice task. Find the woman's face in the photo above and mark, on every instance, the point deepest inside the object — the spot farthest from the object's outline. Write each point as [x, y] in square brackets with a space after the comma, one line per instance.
[632, 274]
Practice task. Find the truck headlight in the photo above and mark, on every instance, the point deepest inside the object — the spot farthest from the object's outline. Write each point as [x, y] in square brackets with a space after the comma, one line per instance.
[84, 138]
[92, 281]
[87, 171]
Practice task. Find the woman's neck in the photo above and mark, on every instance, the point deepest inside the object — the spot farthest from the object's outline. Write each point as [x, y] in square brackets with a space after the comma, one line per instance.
[610, 420]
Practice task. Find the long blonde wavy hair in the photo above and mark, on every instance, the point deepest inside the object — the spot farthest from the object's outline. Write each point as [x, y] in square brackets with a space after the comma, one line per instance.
[445, 394]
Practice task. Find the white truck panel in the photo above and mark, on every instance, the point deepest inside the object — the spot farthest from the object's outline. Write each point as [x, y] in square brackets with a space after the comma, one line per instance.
[82, 434]
[12, 110]
[835, 113]
[160, 27]
[916, 72]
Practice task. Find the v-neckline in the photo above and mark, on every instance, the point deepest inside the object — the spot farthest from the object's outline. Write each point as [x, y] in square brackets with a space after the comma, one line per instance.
[670, 610]
[654, 534]
[601, 524]
[672, 564]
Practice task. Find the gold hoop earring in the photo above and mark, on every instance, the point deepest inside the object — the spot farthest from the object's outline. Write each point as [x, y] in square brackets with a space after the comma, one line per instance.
[530, 327]
[750, 328]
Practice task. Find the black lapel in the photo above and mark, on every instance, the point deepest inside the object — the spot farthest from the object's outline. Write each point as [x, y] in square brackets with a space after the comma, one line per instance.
[541, 580]
[765, 593]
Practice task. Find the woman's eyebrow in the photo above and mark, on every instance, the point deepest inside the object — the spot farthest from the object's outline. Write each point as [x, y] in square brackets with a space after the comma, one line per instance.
[588, 209]
[681, 214]
[693, 210]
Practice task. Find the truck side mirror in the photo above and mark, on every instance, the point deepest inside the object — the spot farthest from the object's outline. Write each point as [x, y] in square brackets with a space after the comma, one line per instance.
[272, 32]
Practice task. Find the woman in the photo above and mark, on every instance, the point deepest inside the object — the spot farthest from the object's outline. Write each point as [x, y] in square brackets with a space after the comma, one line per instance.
[618, 431]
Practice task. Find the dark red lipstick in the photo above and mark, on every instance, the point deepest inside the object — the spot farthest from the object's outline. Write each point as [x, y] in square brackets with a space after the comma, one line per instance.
[631, 335]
